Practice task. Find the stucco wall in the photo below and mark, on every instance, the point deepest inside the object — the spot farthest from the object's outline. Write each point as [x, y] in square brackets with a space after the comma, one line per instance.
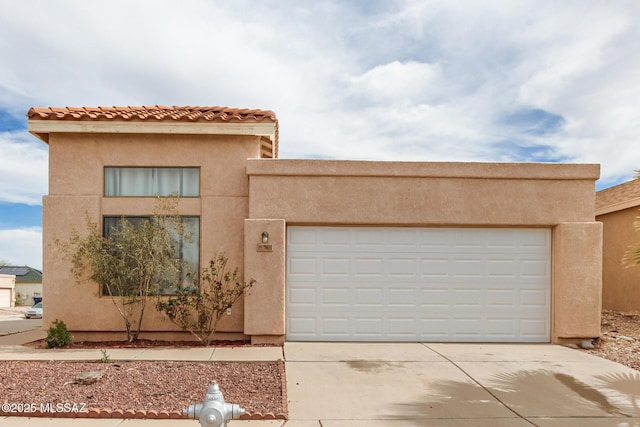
[490, 194]
[241, 198]
[557, 196]
[76, 189]
[620, 285]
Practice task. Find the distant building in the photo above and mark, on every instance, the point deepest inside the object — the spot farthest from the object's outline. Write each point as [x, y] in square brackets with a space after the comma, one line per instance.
[618, 208]
[28, 283]
[7, 286]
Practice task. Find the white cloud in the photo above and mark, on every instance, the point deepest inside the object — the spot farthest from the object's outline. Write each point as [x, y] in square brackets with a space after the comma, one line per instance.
[396, 82]
[22, 247]
[412, 80]
[23, 168]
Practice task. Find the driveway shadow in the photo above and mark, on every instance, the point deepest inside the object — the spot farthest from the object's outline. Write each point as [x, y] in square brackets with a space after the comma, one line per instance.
[535, 394]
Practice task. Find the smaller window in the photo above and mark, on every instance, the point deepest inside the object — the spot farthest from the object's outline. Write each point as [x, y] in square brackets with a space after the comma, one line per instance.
[151, 182]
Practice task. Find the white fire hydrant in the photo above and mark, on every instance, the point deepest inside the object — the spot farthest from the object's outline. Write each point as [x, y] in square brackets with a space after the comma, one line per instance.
[214, 412]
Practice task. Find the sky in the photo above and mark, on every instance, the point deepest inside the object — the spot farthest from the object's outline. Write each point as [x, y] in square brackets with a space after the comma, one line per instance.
[410, 80]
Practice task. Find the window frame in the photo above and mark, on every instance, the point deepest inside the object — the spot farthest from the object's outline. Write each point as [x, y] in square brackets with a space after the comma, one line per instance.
[154, 171]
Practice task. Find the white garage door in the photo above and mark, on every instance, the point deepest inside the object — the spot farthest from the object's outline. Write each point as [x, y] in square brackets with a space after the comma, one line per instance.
[5, 297]
[418, 284]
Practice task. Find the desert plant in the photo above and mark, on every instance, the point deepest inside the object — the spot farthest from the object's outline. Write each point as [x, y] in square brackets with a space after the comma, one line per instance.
[58, 335]
[132, 263]
[199, 308]
[104, 358]
[19, 299]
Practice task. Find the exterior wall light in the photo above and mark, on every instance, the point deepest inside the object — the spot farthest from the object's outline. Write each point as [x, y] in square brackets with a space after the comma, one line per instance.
[265, 237]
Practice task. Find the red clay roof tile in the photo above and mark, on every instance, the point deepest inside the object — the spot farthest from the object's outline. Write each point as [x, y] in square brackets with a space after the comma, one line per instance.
[156, 112]
[160, 113]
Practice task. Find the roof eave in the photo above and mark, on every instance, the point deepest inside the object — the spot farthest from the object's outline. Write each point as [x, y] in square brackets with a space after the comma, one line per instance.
[615, 207]
[43, 128]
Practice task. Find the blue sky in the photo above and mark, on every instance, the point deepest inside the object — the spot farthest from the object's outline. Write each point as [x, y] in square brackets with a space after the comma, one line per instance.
[414, 80]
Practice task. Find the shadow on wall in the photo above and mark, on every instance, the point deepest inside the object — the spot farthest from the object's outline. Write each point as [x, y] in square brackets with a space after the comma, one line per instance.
[537, 393]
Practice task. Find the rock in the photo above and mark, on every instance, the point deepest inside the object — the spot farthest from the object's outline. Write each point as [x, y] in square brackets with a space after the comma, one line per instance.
[587, 345]
[87, 377]
[570, 345]
[625, 338]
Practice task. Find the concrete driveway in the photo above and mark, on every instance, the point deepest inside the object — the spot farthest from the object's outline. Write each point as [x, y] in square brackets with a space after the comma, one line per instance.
[413, 384]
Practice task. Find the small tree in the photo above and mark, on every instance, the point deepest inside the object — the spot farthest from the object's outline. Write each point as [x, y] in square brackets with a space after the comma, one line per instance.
[199, 310]
[131, 264]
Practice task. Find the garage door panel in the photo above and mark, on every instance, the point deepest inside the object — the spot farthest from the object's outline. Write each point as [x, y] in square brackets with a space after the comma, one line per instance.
[335, 326]
[335, 298]
[335, 266]
[302, 266]
[302, 326]
[367, 267]
[368, 326]
[534, 298]
[435, 297]
[365, 296]
[303, 297]
[392, 284]
[402, 298]
[5, 297]
[402, 325]
[501, 298]
[531, 328]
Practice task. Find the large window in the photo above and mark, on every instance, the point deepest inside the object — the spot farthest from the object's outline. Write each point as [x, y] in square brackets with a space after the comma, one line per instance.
[143, 181]
[187, 250]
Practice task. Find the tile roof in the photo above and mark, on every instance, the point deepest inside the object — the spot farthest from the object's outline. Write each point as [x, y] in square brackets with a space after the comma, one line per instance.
[161, 113]
[155, 112]
[620, 197]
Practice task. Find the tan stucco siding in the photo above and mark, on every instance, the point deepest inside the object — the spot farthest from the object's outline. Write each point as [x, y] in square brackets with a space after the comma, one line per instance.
[77, 161]
[620, 285]
[509, 197]
[76, 187]
[577, 279]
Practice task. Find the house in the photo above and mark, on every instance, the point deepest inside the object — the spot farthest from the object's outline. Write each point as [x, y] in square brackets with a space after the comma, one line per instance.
[617, 208]
[341, 250]
[7, 290]
[28, 283]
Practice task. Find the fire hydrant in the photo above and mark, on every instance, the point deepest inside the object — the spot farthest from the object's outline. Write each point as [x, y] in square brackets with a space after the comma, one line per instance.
[214, 412]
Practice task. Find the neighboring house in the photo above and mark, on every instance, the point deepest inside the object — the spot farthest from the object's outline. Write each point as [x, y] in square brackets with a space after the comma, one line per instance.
[7, 290]
[354, 250]
[618, 208]
[28, 283]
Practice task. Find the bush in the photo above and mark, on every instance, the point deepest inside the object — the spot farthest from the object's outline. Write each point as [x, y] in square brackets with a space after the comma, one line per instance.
[198, 309]
[58, 335]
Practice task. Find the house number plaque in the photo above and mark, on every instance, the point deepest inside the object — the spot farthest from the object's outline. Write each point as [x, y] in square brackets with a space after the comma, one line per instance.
[263, 247]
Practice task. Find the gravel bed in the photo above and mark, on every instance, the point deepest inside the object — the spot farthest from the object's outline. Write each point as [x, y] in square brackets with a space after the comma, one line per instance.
[140, 385]
[620, 339]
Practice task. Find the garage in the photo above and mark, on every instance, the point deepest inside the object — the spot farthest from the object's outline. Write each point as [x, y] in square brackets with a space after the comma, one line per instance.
[5, 297]
[418, 284]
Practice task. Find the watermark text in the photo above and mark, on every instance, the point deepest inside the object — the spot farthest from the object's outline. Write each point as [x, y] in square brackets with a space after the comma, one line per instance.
[42, 407]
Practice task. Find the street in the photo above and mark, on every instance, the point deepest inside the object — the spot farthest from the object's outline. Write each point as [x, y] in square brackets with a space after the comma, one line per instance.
[12, 321]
